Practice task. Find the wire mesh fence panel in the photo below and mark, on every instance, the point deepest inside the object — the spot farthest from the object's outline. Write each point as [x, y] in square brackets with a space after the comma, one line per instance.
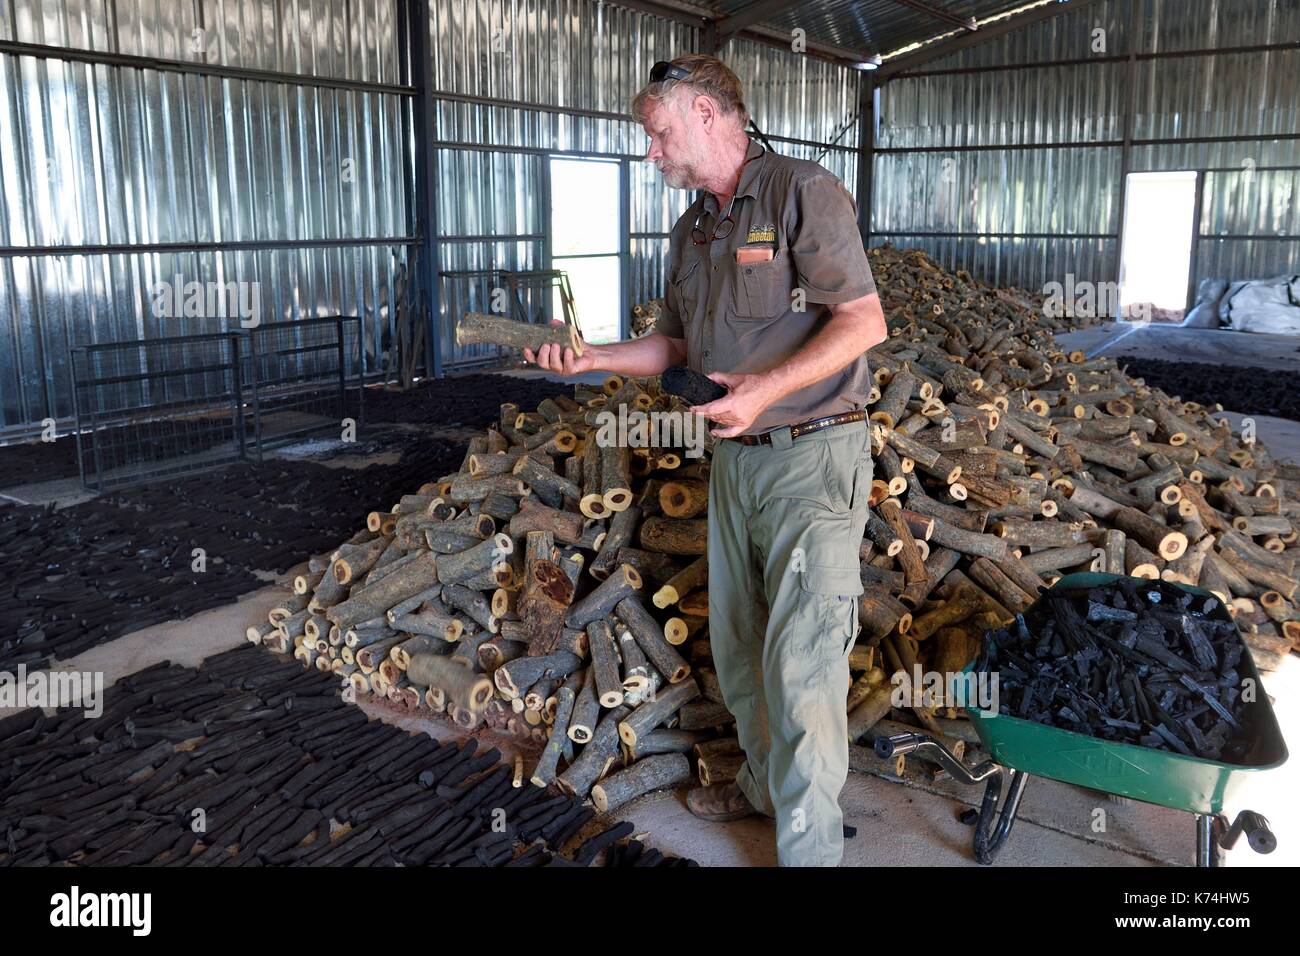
[160, 407]
[305, 378]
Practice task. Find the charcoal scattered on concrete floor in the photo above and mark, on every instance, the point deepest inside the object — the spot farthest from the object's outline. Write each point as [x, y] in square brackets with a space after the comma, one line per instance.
[276, 770]
[76, 577]
[467, 401]
[1139, 662]
[1251, 391]
[470, 401]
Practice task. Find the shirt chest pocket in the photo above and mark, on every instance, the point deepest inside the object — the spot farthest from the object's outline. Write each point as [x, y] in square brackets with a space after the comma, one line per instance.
[762, 289]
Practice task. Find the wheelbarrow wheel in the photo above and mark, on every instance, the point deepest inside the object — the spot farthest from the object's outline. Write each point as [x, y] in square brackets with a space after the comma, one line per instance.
[989, 836]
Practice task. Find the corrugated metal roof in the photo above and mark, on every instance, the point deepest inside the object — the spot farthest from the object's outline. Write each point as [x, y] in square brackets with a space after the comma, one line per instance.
[872, 26]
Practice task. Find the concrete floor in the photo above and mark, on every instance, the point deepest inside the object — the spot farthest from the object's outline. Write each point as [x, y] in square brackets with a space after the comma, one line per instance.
[1174, 343]
[908, 821]
[1177, 344]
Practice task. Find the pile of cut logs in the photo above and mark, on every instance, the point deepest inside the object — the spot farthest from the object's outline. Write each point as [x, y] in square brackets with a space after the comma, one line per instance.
[556, 588]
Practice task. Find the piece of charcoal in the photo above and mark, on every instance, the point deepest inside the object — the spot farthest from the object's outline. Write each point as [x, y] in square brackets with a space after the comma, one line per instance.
[690, 386]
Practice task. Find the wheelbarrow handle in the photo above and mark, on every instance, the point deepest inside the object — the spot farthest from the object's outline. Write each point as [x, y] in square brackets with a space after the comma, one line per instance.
[988, 836]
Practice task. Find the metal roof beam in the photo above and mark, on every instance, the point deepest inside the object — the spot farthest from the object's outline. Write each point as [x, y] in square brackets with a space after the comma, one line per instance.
[988, 31]
[965, 23]
[749, 16]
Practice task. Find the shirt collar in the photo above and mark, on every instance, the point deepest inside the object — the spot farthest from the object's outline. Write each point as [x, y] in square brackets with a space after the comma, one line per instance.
[748, 185]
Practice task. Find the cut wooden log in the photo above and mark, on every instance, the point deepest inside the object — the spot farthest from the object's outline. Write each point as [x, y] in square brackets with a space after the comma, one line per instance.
[600, 602]
[475, 328]
[647, 774]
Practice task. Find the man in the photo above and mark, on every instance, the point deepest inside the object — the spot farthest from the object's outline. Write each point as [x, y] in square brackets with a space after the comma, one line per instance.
[771, 296]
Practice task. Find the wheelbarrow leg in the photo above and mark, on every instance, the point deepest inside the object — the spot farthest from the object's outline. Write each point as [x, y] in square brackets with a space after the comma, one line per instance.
[989, 837]
[1210, 828]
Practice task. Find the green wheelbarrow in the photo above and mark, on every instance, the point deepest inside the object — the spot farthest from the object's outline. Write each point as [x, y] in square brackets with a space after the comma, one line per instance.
[1020, 748]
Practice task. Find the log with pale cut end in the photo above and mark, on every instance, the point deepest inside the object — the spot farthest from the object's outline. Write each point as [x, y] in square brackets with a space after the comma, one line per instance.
[473, 604]
[306, 583]
[615, 478]
[675, 535]
[636, 667]
[372, 655]
[544, 775]
[881, 613]
[1167, 543]
[290, 606]
[719, 768]
[652, 713]
[650, 638]
[600, 602]
[694, 575]
[431, 624]
[622, 526]
[476, 328]
[655, 568]
[678, 629]
[600, 749]
[514, 677]
[683, 499]
[888, 411]
[402, 653]
[586, 710]
[462, 686]
[543, 480]
[462, 568]
[355, 560]
[650, 773]
[374, 599]
[496, 651]
[258, 633]
[563, 526]
[604, 664]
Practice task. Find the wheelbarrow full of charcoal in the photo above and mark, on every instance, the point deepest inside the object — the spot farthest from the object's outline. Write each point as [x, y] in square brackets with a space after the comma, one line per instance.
[1137, 688]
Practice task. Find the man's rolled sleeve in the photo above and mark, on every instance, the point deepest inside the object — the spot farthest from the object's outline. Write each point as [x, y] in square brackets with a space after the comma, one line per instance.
[830, 263]
[669, 322]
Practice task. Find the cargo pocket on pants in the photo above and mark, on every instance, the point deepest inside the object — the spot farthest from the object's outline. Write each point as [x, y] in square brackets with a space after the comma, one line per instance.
[836, 591]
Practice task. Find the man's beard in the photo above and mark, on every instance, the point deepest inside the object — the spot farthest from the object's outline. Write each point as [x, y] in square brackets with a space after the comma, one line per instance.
[678, 177]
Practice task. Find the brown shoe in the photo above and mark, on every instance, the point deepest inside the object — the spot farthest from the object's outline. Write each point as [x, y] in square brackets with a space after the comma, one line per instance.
[720, 803]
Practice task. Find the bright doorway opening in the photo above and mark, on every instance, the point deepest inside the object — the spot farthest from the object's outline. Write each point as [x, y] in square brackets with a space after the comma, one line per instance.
[1158, 233]
[585, 242]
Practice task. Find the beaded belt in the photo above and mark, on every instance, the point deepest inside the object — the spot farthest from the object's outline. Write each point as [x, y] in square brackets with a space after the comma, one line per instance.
[804, 428]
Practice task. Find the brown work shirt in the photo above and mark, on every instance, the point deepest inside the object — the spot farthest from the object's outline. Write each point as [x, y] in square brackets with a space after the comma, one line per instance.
[753, 316]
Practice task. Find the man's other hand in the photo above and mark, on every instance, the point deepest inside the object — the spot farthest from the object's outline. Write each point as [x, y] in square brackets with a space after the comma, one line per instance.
[749, 395]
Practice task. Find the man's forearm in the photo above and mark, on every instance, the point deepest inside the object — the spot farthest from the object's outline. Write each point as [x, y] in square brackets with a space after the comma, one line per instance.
[839, 342]
[648, 355]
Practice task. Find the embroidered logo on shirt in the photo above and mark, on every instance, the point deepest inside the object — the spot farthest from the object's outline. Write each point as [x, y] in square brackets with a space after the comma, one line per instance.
[765, 233]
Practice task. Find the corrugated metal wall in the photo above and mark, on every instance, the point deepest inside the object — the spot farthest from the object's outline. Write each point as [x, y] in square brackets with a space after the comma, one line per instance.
[1067, 197]
[106, 155]
[533, 60]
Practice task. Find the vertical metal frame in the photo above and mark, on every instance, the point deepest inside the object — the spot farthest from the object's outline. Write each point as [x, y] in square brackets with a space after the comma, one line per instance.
[868, 108]
[1193, 266]
[624, 249]
[1126, 150]
[414, 20]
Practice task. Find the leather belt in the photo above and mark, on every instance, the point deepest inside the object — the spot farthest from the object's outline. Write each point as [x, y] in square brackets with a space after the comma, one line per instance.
[804, 428]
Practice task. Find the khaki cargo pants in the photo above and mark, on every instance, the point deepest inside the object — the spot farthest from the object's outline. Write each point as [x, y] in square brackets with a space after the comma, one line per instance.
[785, 524]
